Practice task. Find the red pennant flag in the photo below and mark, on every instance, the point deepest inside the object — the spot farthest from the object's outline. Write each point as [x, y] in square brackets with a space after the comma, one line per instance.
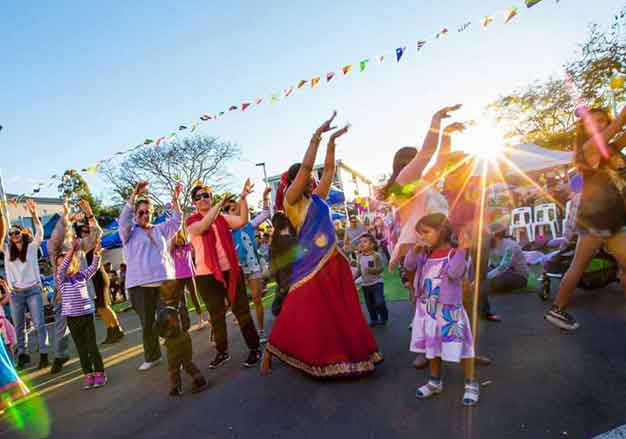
[258, 101]
[330, 76]
[158, 141]
[244, 106]
[288, 91]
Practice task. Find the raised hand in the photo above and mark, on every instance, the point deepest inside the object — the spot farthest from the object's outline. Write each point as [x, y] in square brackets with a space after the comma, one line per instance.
[456, 127]
[66, 208]
[178, 189]
[248, 188]
[267, 192]
[75, 244]
[97, 251]
[228, 198]
[443, 113]
[338, 134]
[141, 188]
[31, 206]
[86, 208]
[327, 125]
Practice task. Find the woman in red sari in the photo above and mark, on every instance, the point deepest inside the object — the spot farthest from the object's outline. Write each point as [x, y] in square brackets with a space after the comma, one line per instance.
[321, 329]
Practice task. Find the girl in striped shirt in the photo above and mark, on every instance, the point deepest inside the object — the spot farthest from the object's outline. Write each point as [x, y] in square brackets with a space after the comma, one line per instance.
[79, 308]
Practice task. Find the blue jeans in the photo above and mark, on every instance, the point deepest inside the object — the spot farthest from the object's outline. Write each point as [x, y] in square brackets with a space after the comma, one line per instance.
[60, 336]
[33, 299]
[375, 302]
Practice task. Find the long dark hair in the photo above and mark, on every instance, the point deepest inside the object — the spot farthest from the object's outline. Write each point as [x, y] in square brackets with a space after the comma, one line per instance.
[283, 247]
[439, 222]
[402, 158]
[582, 136]
[14, 252]
[293, 172]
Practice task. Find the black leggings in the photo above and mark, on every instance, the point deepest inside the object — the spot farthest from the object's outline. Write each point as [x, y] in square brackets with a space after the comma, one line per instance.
[83, 333]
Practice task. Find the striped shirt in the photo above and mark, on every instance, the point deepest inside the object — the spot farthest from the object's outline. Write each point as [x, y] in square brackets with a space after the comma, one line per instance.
[75, 298]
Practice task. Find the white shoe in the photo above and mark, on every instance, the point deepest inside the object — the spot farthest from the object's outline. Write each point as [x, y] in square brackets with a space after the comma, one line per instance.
[147, 365]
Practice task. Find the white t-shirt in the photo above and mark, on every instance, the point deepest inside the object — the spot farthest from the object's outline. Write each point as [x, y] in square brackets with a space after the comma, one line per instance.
[23, 275]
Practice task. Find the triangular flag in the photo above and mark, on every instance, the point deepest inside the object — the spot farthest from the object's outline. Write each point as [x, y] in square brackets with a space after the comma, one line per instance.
[510, 13]
[315, 81]
[464, 26]
[381, 59]
[363, 64]
[205, 117]
[531, 3]
[258, 101]
[148, 141]
[486, 21]
[193, 127]
[93, 169]
[181, 127]
[420, 44]
[330, 76]
[346, 69]
[244, 106]
[221, 113]
[400, 52]
[302, 83]
[442, 33]
[159, 140]
[274, 98]
[232, 108]
[288, 91]
[172, 134]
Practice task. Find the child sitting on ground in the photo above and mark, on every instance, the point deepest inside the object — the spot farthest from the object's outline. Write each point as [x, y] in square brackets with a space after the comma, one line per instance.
[173, 323]
[370, 277]
[441, 328]
[79, 308]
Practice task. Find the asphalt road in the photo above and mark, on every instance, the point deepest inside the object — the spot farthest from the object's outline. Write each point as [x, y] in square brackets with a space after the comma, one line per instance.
[543, 382]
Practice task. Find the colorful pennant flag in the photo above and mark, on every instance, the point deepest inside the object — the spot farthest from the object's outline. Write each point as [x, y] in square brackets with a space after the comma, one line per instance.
[274, 98]
[232, 108]
[363, 64]
[93, 169]
[302, 83]
[182, 127]
[148, 141]
[172, 134]
[288, 91]
[381, 59]
[531, 3]
[510, 13]
[346, 69]
[399, 53]
[486, 21]
[195, 125]
[205, 117]
[221, 113]
[330, 76]
[258, 101]
[465, 26]
[442, 33]
[244, 106]
[420, 45]
[315, 81]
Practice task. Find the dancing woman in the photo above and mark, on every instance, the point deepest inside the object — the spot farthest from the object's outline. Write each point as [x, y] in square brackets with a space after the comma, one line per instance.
[321, 329]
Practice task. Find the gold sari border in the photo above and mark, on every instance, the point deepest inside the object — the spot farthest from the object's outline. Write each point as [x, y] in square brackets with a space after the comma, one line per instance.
[331, 370]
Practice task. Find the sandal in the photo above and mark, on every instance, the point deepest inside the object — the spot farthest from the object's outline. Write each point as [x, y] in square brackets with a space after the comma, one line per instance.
[472, 393]
[432, 387]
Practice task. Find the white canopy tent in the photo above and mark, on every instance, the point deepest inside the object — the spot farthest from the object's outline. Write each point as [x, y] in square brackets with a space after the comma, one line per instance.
[529, 157]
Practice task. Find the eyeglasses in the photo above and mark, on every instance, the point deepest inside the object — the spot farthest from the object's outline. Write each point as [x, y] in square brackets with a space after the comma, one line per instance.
[201, 196]
[143, 213]
[15, 233]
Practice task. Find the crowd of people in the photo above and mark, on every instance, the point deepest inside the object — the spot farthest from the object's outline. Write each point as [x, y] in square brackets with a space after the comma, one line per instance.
[449, 258]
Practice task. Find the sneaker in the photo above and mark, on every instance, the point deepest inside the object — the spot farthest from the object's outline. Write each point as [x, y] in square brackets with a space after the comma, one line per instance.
[253, 358]
[220, 358]
[561, 319]
[147, 365]
[493, 318]
[262, 337]
[43, 361]
[199, 384]
[176, 391]
[89, 380]
[57, 365]
[100, 379]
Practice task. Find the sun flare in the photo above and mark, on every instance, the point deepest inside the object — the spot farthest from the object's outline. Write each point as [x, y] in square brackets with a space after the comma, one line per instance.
[484, 141]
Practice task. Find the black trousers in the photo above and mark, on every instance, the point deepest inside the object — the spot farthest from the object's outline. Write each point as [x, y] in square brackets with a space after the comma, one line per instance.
[145, 301]
[179, 354]
[83, 332]
[214, 295]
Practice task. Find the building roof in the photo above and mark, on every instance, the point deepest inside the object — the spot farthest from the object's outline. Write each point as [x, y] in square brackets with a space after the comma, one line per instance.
[39, 200]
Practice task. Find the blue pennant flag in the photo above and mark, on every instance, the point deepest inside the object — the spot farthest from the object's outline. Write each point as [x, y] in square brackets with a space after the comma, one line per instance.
[400, 52]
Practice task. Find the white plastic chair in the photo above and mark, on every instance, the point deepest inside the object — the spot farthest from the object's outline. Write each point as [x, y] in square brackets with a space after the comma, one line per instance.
[546, 216]
[521, 219]
[568, 208]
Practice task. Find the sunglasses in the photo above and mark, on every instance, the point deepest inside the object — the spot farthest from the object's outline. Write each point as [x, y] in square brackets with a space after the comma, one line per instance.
[201, 196]
[143, 213]
[15, 233]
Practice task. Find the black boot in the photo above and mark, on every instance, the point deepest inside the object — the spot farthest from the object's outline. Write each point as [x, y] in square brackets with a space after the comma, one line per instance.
[199, 384]
[117, 334]
[57, 364]
[43, 361]
[109, 337]
[22, 361]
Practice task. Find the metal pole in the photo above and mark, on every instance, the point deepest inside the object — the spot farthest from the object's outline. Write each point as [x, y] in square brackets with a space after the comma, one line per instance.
[265, 180]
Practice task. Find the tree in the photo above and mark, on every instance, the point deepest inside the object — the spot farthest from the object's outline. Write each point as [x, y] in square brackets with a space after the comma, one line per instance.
[74, 187]
[193, 159]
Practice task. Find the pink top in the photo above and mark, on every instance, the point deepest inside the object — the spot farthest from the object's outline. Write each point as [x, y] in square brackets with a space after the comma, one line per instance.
[202, 268]
[183, 263]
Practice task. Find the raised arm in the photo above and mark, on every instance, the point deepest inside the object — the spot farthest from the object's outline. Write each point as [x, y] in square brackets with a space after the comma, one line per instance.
[31, 206]
[55, 243]
[95, 263]
[329, 164]
[445, 149]
[95, 232]
[413, 171]
[172, 225]
[593, 147]
[238, 221]
[126, 217]
[3, 225]
[296, 189]
[265, 215]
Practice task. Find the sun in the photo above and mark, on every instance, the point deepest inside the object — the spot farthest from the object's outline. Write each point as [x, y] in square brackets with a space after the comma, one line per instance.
[483, 140]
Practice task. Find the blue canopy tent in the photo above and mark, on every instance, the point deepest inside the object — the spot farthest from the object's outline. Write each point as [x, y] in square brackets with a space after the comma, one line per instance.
[335, 197]
[113, 239]
[50, 225]
[338, 216]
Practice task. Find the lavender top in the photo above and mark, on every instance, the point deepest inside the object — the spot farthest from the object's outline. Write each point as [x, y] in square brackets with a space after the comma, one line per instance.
[183, 263]
[75, 298]
[148, 260]
[452, 273]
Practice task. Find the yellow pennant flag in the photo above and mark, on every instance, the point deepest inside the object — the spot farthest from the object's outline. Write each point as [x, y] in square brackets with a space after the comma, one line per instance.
[302, 83]
[315, 81]
[346, 69]
[510, 13]
[486, 21]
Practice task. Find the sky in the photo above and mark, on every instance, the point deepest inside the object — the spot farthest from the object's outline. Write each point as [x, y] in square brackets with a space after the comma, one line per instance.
[82, 80]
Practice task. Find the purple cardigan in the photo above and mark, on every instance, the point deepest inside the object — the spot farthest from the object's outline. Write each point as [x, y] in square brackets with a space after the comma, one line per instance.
[452, 276]
[148, 262]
